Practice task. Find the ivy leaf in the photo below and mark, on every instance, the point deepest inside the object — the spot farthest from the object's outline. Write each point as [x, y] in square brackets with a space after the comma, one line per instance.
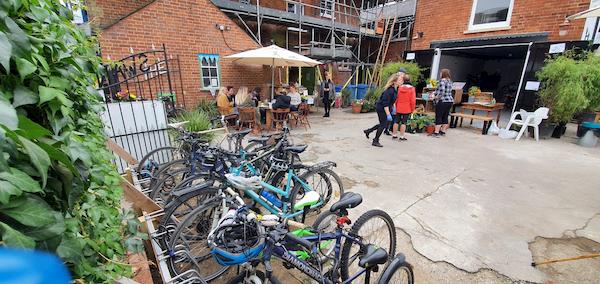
[24, 96]
[31, 129]
[25, 67]
[5, 52]
[21, 180]
[7, 190]
[59, 83]
[57, 154]
[30, 211]
[56, 228]
[14, 238]
[70, 249]
[38, 157]
[8, 115]
[48, 94]
[17, 35]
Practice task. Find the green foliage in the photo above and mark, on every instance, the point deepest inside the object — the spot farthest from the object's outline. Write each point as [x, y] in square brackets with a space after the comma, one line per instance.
[474, 90]
[413, 70]
[421, 121]
[591, 78]
[563, 87]
[371, 98]
[345, 97]
[209, 107]
[197, 121]
[59, 190]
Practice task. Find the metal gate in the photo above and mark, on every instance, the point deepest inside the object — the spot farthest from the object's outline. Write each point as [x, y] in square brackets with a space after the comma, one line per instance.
[141, 92]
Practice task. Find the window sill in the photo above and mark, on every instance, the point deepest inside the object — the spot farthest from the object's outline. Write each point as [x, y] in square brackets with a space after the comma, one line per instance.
[475, 30]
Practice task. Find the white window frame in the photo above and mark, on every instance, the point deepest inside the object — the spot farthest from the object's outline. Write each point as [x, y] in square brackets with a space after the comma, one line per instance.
[296, 9]
[327, 13]
[496, 25]
[218, 69]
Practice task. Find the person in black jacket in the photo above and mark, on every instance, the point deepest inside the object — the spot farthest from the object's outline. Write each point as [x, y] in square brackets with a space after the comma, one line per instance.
[384, 107]
[282, 101]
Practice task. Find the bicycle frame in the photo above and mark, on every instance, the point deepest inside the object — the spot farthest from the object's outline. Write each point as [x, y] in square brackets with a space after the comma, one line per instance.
[281, 252]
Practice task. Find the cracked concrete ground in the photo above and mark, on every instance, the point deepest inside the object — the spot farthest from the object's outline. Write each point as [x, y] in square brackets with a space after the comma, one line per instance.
[468, 202]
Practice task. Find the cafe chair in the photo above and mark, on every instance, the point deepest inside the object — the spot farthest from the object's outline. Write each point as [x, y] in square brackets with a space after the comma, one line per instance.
[280, 117]
[528, 119]
[302, 115]
[248, 118]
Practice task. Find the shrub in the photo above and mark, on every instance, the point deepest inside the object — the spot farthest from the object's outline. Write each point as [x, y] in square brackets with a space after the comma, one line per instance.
[563, 90]
[591, 77]
[413, 70]
[345, 97]
[59, 190]
[197, 121]
[209, 107]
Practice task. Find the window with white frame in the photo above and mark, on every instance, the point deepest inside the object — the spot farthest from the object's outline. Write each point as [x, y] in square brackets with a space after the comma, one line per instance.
[295, 8]
[209, 71]
[326, 8]
[490, 14]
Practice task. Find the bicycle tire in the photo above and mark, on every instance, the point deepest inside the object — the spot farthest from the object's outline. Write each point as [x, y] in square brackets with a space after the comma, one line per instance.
[241, 278]
[196, 243]
[177, 211]
[165, 168]
[161, 190]
[345, 261]
[298, 191]
[394, 268]
[151, 153]
[325, 222]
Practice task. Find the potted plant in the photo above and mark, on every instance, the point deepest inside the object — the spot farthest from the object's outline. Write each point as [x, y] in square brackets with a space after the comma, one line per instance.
[563, 92]
[429, 125]
[591, 77]
[357, 106]
[473, 91]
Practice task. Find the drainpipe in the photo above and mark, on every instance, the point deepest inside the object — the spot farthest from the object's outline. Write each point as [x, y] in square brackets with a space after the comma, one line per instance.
[435, 65]
[522, 77]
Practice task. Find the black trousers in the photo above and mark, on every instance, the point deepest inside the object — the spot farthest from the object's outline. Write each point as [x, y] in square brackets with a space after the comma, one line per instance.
[327, 105]
[383, 123]
[442, 111]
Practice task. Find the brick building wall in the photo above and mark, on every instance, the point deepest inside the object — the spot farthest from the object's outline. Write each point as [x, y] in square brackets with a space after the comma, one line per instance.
[449, 19]
[108, 12]
[187, 28]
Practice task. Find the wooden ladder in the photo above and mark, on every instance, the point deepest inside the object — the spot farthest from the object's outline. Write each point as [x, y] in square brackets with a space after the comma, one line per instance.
[386, 38]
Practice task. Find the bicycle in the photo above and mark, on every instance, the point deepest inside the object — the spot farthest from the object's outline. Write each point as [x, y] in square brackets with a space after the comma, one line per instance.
[281, 243]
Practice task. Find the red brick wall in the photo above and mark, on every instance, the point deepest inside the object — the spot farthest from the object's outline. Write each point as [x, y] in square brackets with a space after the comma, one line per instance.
[449, 19]
[107, 12]
[395, 51]
[187, 28]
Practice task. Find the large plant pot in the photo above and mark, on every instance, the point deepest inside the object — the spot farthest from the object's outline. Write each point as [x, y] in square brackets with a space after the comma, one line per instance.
[430, 129]
[559, 130]
[546, 130]
[356, 108]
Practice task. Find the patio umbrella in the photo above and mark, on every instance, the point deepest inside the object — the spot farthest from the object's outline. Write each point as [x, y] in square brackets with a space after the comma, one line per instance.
[274, 56]
[589, 13]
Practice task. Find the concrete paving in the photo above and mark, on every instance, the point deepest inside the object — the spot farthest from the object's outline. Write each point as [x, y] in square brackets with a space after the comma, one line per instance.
[472, 201]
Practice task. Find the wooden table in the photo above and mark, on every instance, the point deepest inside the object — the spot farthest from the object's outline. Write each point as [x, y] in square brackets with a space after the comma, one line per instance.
[268, 118]
[489, 108]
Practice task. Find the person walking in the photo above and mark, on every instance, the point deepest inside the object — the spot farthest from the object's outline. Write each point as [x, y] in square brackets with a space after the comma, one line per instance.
[327, 93]
[444, 101]
[406, 102]
[383, 106]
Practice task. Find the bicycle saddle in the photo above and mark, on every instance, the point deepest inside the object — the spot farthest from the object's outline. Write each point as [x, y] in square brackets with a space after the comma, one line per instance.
[310, 198]
[242, 183]
[347, 200]
[373, 256]
[240, 133]
[296, 149]
[261, 140]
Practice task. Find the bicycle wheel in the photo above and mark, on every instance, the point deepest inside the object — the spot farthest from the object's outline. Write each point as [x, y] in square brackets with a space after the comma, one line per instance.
[188, 245]
[398, 271]
[164, 169]
[373, 227]
[160, 155]
[318, 181]
[163, 188]
[179, 207]
[258, 277]
[325, 222]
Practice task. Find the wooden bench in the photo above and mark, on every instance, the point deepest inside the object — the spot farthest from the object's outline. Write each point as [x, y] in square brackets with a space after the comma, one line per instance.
[454, 117]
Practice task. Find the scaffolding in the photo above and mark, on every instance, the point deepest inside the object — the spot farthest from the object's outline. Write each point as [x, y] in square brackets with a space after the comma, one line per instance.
[348, 24]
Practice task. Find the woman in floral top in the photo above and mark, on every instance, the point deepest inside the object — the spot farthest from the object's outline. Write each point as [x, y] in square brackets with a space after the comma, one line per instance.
[444, 101]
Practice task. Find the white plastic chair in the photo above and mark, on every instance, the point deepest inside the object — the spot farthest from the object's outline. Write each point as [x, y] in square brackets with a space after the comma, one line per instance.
[529, 119]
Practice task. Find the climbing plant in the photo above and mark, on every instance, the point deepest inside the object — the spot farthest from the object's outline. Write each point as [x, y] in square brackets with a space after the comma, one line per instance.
[59, 191]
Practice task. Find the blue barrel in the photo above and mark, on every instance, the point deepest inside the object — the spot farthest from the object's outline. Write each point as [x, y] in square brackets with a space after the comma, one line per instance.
[362, 91]
[338, 89]
[352, 90]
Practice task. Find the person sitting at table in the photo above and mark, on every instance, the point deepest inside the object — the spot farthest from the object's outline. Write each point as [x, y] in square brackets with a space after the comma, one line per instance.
[406, 102]
[255, 94]
[444, 101]
[244, 99]
[295, 97]
[281, 101]
[224, 104]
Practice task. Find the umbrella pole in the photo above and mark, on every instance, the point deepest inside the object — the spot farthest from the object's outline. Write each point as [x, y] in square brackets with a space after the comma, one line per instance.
[273, 79]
